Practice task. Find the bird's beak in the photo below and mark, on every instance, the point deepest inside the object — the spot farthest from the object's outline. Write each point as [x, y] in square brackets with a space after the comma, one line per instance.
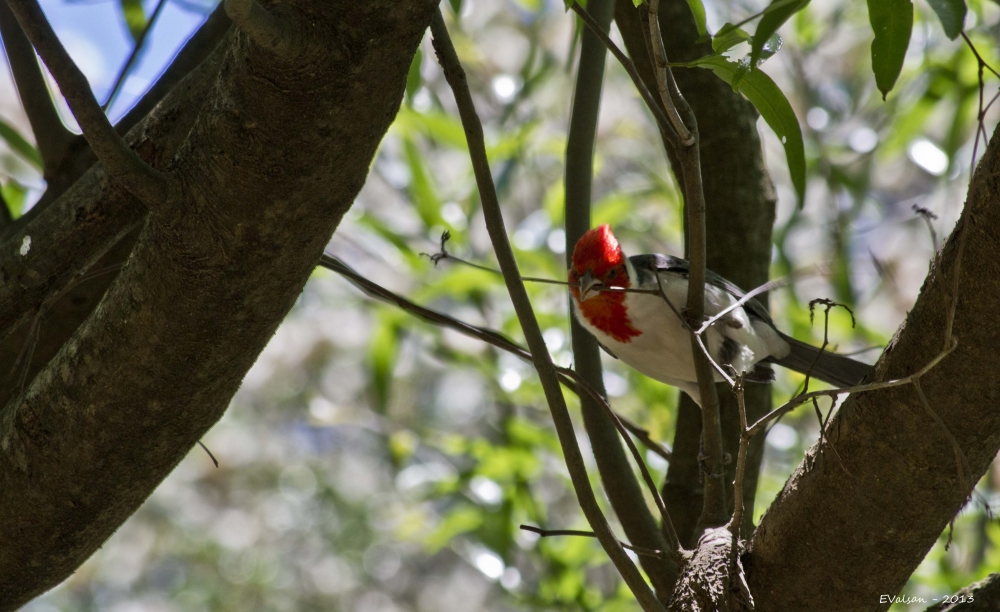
[589, 286]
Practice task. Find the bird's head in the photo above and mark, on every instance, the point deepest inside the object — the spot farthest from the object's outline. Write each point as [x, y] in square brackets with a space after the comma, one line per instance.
[598, 263]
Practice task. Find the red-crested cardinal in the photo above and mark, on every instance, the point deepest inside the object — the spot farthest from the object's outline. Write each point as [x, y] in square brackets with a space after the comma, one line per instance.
[644, 332]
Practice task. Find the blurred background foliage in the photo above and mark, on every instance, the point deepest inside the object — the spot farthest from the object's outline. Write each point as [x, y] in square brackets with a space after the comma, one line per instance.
[375, 463]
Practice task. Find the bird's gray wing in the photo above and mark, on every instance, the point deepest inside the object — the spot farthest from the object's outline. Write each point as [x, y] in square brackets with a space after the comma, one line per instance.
[655, 262]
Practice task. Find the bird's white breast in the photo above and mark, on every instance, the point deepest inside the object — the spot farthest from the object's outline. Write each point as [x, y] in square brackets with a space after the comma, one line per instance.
[663, 349]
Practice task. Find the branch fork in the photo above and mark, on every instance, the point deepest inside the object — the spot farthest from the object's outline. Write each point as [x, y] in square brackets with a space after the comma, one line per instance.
[152, 187]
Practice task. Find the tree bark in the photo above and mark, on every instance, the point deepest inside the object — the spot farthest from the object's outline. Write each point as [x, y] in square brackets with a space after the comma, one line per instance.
[864, 507]
[982, 596]
[275, 157]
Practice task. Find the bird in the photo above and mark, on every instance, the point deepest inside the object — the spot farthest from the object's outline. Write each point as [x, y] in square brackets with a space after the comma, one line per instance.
[645, 332]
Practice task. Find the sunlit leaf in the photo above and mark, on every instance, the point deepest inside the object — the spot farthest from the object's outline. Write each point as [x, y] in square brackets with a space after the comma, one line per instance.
[382, 352]
[775, 15]
[18, 144]
[530, 5]
[422, 190]
[14, 194]
[502, 463]
[698, 11]
[461, 520]
[402, 445]
[773, 106]
[457, 281]
[728, 37]
[135, 17]
[952, 15]
[892, 22]
[444, 129]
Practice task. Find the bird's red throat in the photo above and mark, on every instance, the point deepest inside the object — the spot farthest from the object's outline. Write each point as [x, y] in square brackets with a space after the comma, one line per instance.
[599, 252]
[607, 313]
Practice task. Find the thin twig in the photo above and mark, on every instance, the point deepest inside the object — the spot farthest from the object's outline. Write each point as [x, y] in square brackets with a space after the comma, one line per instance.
[961, 462]
[665, 79]
[144, 182]
[210, 455]
[276, 33]
[51, 135]
[120, 79]
[666, 130]
[777, 283]
[668, 525]
[444, 255]
[547, 374]
[929, 219]
[805, 397]
[548, 533]
[741, 463]
[644, 437]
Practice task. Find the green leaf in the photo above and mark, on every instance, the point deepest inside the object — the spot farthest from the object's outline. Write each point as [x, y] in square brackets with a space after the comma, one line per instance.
[456, 7]
[21, 146]
[135, 17]
[461, 520]
[775, 15]
[14, 194]
[422, 190]
[413, 78]
[382, 352]
[728, 37]
[743, 68]
[952, 15]
[772, 105]
[444, 129]
[698, 11]
[892, 22]
[638, 3]
[530, 5]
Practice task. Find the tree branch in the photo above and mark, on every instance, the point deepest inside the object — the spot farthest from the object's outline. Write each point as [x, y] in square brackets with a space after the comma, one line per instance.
[455, 76]
[666, 131]
[157, 364]
[617, 476]
[277, 34]
[72, 232]
[982, 596]
[51, 136]
[682, 118]
[80, 157]
[194, 51]
[136, 49]
[149, 185]
[897, 486]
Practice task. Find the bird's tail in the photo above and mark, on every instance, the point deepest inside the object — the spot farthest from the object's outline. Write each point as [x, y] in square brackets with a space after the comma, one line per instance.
[835, 369]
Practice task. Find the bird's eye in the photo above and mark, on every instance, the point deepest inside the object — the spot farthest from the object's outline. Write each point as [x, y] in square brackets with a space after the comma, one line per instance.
[613, 273]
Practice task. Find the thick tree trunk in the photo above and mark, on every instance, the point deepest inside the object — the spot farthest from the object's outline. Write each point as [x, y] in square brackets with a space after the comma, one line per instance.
[863, 508]
[275, 157]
